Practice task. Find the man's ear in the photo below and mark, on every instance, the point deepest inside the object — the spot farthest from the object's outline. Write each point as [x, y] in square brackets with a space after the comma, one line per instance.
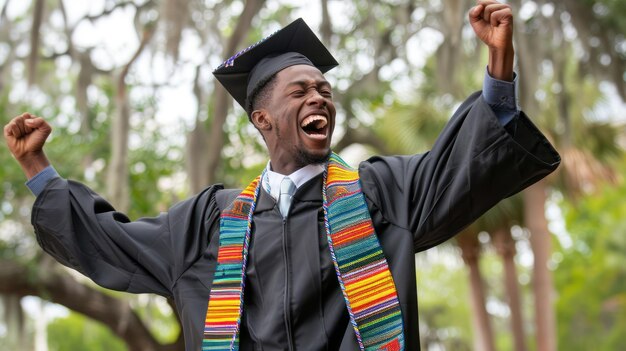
[261, 119]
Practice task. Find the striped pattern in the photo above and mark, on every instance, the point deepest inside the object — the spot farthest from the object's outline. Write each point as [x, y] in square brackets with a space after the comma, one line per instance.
[360, 264]
[221, 326]
[361, 267]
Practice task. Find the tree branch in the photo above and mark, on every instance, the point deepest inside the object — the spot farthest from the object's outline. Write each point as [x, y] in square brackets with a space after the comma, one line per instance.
[54, 285]
[364, 136]
[115, 7]
[3, 12]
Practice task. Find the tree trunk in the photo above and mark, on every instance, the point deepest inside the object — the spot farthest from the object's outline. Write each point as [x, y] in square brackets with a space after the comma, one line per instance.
[529, 62]
[5, 30]
[175, 15]
[82, 84]
[14, 321]
[196, 160]
[470, 251]
[541, 244]
[505, 246]
[117, 180]
[117, 184]
[33, 57]
[326, 27]
[41, 328]
[197, 143]
[448, 53]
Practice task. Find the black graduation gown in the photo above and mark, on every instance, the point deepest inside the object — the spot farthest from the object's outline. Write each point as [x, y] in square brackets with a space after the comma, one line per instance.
[292, 298]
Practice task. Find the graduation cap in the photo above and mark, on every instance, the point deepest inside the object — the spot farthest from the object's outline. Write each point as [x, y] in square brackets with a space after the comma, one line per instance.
[293, 45]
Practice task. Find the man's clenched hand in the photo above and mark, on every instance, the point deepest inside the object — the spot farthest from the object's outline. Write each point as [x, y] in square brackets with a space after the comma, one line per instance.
[493, 24]
[25, 135]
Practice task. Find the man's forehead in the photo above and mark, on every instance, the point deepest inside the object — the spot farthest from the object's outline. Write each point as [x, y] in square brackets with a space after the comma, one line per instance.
[301, 74]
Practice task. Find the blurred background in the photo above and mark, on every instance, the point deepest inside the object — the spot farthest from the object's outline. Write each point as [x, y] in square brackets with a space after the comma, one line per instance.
[137, 116]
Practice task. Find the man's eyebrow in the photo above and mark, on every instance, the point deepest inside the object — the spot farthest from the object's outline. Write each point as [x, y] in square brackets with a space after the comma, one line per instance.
[307, 82]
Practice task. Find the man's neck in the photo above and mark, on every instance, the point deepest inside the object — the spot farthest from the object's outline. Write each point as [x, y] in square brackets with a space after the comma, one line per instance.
[299, 177]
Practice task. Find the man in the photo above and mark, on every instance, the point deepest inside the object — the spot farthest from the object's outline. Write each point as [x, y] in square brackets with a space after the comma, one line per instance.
[312, 255]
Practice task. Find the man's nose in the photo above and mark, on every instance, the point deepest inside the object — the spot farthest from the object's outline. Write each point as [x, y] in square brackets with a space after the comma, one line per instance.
[315, 98]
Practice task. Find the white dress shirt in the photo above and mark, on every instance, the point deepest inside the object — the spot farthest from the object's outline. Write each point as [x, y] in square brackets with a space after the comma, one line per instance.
[272, 180]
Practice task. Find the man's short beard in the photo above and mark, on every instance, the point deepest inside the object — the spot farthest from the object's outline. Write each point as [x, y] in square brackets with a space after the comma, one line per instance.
[304, 158]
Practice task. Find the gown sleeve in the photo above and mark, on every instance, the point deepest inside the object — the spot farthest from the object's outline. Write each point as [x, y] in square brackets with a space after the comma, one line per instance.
[474, 163]
[83, 231]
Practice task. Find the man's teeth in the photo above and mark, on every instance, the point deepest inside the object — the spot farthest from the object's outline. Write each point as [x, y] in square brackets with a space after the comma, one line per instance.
[320, 121]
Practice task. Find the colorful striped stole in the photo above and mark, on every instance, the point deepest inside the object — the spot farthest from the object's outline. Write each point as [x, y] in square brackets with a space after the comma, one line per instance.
[361, 267]
[223, 316]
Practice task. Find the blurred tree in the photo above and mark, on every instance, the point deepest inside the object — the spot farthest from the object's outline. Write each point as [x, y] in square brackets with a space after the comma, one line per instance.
[550, 77]
[204, 148]
[467, 240]
[16, 335]
[33, 57]
[591, 308]
[505, 246]
[117, 178]
[445, 316]
[21, 266]
[554, 61]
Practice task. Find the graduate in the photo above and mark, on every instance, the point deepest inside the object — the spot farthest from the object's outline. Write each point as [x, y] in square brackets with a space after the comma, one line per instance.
[312, 254]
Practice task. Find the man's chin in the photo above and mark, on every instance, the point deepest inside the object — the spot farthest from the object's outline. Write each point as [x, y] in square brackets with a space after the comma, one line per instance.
[307, 157]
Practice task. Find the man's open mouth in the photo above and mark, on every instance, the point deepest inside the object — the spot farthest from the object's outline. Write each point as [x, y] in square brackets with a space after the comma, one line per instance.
[315, 126]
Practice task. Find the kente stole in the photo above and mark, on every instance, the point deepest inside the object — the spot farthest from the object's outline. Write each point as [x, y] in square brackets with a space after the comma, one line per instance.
[361, 267]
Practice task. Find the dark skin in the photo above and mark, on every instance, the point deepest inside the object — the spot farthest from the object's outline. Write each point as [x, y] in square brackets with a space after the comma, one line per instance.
[289, 147]
[299, 92]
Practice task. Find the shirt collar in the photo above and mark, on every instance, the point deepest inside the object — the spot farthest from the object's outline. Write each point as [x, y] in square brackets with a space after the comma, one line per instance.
[272, 180]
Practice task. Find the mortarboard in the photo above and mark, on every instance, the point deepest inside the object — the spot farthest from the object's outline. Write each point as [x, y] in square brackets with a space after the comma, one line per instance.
[292, 45]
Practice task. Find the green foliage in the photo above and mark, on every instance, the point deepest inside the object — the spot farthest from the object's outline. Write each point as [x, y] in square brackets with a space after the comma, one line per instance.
[159, 318]
[591, 279]
[76, 332]
[443, 295]
[609, 15]
[154, 161]
[245, 156]
[421, 122]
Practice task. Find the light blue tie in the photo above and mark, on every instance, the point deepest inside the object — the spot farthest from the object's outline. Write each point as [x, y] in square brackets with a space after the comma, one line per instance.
[287, 188]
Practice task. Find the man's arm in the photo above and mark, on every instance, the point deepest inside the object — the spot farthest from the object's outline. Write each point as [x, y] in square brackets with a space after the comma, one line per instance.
[473, 164]
[82, 231]
[475, 161]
